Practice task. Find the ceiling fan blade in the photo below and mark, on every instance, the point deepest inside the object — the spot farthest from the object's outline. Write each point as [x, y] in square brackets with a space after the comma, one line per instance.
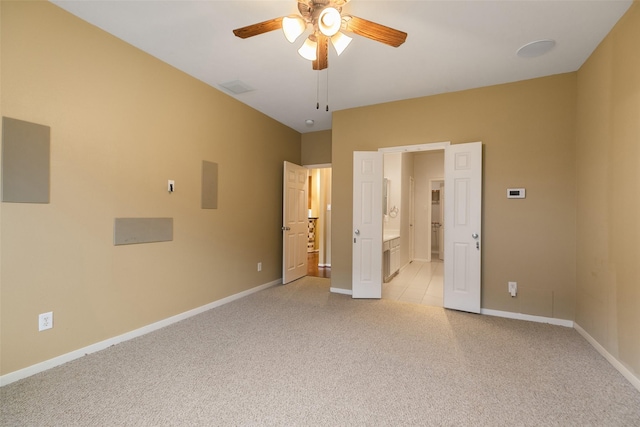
[322, 60]
[259, 28]
[373, 31]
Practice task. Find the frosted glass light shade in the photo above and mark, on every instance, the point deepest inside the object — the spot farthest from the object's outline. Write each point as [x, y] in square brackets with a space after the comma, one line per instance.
[329, 21]
[340, 42]
[308, 50]
[293, 26]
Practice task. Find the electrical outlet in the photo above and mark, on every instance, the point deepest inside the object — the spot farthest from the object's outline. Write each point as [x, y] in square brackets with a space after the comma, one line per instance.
[45, 321]
[259, 266]
[513, 288]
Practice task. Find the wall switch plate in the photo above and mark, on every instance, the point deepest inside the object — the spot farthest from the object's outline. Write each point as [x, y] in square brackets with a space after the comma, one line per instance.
[513, 288]
[45, 321]
[171, 186]
[259, 266]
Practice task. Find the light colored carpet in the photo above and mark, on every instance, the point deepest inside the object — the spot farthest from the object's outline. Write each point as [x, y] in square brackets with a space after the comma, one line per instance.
[299, 355]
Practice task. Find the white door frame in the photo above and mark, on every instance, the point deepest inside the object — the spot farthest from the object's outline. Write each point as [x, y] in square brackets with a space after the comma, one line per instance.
[416, 148]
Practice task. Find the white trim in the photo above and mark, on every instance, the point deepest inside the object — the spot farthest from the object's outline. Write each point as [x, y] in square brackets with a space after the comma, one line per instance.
[319, 166]
[341, 291]
[634, 380]
[528, 317]
[324, 265]
[418, 147]
[76, 354]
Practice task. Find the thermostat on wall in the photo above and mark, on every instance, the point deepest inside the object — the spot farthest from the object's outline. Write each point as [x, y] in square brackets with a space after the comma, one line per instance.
[515, 193]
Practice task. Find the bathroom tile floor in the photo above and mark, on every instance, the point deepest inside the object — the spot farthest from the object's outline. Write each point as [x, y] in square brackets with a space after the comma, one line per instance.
[419, 282]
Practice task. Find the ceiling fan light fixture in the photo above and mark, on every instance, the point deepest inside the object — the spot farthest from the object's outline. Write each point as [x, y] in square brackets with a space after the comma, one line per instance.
[309, 49]
[329, 21]
[293, 26]
[340, 41]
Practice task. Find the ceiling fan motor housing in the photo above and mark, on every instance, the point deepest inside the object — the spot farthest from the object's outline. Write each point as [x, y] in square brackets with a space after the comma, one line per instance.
[311, 11]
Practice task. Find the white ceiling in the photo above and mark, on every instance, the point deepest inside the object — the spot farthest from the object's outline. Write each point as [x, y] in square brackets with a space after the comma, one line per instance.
[452, 45]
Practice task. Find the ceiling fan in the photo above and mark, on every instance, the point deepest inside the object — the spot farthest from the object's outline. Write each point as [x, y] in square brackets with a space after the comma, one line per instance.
[326, 20]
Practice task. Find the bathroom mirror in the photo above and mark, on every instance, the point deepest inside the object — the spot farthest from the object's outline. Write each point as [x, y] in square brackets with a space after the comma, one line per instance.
[386, 195]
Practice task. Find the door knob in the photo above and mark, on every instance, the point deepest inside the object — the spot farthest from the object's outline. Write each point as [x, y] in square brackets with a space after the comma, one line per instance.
[475, 235]
[286, 228]
[357, 232]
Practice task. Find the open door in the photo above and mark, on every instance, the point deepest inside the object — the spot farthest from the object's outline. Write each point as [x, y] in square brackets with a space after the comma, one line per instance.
[462, 219]
[295, 228]
[462, 235]
[367, 224]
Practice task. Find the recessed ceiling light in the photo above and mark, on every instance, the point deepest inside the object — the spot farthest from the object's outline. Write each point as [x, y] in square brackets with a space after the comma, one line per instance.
[309, 122]
[536, 48]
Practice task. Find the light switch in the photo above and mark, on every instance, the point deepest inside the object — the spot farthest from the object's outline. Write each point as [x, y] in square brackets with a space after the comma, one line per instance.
[171, 186]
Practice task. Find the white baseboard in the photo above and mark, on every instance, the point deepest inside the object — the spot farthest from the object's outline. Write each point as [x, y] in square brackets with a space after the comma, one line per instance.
[530, 318]
[324, 265]
[76, 354]
[634, 380]
[341, 291]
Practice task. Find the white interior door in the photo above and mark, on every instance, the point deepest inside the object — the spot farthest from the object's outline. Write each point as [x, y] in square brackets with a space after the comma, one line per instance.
[462, 234]
[295, 228]
[367, 224]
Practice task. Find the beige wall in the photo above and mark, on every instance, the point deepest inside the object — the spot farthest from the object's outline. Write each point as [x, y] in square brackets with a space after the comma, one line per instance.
[528, 131]
[316, 148]
[122, 124]
[608, 184]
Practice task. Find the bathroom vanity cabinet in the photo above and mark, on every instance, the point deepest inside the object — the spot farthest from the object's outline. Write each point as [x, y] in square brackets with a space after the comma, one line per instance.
[391, 256]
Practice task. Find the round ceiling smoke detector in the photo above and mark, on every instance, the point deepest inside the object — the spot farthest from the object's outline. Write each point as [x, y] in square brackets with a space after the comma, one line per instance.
[536, 48]
[309, 122]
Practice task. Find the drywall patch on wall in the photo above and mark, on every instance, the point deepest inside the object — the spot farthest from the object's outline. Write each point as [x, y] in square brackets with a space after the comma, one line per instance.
[130, 231]
[25, 161]
[209, 185]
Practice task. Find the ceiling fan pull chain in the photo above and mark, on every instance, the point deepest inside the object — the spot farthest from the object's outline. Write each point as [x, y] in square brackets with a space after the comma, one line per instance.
[327, 90]
[318, 90]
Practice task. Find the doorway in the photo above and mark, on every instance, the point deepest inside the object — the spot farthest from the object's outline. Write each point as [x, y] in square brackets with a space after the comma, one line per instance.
[463, 219]
[319, 213]
[420, 278]
[437, 219]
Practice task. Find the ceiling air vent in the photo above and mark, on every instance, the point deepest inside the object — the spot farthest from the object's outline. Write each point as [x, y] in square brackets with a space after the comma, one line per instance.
[236, 87]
